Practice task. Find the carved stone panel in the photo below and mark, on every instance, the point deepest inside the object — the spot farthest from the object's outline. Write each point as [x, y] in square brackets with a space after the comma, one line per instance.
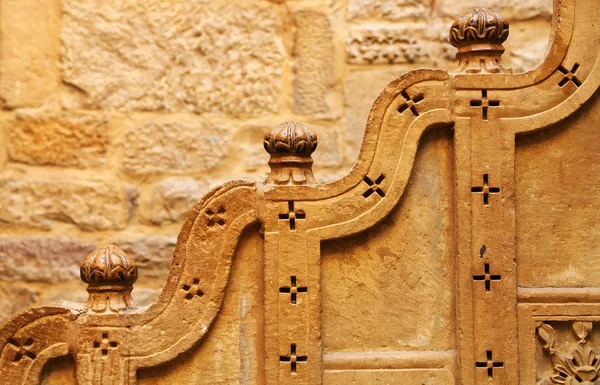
[460, 249]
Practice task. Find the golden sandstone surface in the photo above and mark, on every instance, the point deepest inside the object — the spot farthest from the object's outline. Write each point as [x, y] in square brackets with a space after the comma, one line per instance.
[459, 248]
[119, 116]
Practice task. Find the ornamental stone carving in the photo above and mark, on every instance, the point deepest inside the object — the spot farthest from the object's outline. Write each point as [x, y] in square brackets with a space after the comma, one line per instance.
[110, 275]
[290, 137]
[291, 145]
[384, 46]
[478, 35]
[579, 365]
[459, 249]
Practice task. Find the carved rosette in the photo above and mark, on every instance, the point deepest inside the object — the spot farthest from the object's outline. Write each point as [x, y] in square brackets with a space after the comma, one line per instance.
[290, 145]
[581, 365]
[478, 35]
[110, 275]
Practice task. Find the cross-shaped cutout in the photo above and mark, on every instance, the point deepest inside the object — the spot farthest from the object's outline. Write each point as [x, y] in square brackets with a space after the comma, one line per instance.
[487, 277]
[22, 350]
[485, 103]
[104, 345]
[292, 215]
[193, 289]
[410, 103]
[293, 289]
[293, 359]
[486, 190]
[569, 75]
[216, 218]
[374, 187]
[489, 364]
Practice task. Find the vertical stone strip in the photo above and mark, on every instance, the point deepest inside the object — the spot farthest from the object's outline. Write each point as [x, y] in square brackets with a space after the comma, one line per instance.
[292, 301]
[463, 235]
[102, 357]
[29, 74]
[293, 310]
[486, 233]
[493, 268]
[486, 218]
[5, 123]
[271, 320]
[313, 62]
[315, 309]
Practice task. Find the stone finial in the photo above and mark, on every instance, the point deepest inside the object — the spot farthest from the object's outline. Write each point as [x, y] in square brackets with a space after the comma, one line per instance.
[478, 35]
[290, 145]
[110, 275]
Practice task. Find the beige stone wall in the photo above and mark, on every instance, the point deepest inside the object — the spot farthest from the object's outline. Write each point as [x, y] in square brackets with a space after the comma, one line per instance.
[118, 115]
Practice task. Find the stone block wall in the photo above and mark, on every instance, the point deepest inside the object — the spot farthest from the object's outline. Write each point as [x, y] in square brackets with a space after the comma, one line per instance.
[117, 116]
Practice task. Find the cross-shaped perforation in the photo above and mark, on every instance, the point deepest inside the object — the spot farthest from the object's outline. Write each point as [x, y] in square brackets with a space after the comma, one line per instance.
[489, 364]
[216, 218]
[193, 289]
[104, 345]
[374, 187]
[486, 190]
[293, 358]
[484, 103]
[292, 215]
[293, 289]
[569, 75]
[487, 277]
[410, 103]
[22, 350]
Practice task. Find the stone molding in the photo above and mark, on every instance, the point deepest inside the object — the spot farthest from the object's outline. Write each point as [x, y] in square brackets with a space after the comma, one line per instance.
[295, 218]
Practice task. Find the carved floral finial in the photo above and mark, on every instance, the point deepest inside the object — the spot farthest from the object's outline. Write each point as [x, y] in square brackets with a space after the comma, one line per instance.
[290, 145]
[478, 35]
[110, 275]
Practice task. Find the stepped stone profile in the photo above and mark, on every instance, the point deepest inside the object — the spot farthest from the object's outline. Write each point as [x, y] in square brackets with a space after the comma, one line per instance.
[458, 250]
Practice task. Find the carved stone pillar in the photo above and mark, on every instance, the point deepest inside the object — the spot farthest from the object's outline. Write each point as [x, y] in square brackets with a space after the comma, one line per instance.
[292, 266]
[102, 350]
[484, 150]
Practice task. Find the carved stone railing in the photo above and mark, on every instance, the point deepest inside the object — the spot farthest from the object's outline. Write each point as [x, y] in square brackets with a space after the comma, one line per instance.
[484, 103]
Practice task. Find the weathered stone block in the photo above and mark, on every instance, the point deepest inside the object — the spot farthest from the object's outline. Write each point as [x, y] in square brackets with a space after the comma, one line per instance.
[172, 199]
[152, 255]
[13, 298]
[144, 296]
[41, 259]
[527, 43]
[3, 134]
[29, 73]
[390, 10]
[329, 153]
[251, 146]
[203, 56]
[92, 205]
[71, 140]
[362, 87]
[511, 10]
[313, 62]
[386, 46]
[174, 147]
